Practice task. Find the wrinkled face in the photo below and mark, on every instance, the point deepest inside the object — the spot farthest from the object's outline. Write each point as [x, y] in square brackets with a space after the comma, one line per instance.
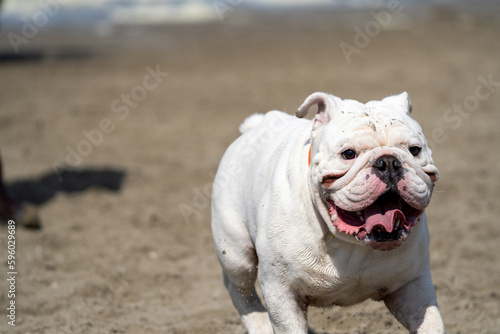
[371, 169]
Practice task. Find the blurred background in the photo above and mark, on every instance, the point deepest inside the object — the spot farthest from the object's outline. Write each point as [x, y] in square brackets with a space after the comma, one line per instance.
[114, 116]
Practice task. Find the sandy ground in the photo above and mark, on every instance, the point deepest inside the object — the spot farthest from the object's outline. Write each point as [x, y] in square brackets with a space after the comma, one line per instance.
[126, 245]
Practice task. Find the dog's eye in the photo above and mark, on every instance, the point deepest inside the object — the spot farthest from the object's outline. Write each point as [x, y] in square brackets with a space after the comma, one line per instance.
[415, 150]
[349, 154]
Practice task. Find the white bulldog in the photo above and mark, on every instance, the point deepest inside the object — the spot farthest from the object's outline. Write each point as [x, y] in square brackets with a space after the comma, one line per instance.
[327, 212]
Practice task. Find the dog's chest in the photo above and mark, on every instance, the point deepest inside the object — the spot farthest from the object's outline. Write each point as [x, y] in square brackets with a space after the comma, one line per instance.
[349, 291]
[350, 283]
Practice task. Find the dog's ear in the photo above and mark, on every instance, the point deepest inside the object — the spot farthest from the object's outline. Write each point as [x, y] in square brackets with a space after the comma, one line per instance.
[326, 104]
[400, 102]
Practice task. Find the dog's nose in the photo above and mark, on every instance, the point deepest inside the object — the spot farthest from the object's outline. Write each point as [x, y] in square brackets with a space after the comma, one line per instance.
[387, 163]
[388, 168]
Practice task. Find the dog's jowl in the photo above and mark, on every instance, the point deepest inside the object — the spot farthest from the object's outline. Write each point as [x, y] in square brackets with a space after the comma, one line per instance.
[328, 212]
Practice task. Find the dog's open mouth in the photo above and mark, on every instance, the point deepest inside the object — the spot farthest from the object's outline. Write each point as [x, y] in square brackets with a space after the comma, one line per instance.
[384, 225]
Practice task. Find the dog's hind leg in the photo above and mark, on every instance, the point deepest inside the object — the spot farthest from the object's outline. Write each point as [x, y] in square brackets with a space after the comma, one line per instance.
[253, 314]
[239, 262]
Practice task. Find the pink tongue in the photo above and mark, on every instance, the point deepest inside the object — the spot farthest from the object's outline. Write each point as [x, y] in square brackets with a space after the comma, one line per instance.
[383, 215]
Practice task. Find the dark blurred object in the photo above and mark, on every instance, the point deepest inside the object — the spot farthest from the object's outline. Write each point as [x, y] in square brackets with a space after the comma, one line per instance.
[42, 189]
[19, 199]
[32, 55]
[22, 213]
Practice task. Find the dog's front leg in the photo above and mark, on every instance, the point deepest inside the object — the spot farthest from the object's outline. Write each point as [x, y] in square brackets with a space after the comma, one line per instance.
[415, 307]
[288, 314]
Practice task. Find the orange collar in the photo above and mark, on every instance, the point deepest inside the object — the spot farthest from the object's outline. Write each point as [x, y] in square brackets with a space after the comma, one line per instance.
[309, 158]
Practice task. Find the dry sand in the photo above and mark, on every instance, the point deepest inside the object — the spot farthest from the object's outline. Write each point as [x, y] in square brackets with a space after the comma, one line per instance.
[126, 245]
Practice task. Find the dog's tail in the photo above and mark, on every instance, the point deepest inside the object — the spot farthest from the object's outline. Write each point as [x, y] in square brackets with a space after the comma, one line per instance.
[251, 122]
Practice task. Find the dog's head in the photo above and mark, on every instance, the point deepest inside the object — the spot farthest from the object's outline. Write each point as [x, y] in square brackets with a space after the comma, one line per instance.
[371, 168]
